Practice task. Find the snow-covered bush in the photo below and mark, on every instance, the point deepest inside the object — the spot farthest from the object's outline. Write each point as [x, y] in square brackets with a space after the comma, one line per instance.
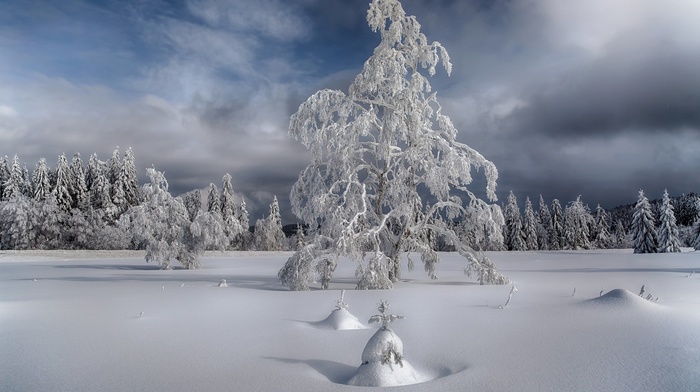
[377, 152]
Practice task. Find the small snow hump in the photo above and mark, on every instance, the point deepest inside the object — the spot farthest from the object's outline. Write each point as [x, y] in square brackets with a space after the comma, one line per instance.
[621, 298]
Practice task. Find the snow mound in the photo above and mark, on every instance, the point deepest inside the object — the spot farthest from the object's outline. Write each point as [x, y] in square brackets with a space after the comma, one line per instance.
[341, 319]
[378, 369]
[621, 298]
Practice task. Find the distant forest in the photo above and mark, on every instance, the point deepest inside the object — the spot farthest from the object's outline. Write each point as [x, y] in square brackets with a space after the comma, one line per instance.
[93, 206]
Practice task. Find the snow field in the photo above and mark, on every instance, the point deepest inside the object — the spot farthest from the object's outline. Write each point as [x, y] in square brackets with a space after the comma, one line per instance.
[79, 327]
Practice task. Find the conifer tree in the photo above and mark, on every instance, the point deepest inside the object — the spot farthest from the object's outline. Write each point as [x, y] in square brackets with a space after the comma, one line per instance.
[602, 238]
[696, 228]
[577, 220]
[557, 239]
[15, 183]
[64, 201]
[513, 227]
[41, 181]
[93, 170]
[668, 230]
[129, 179]
[530, 227]
[643, 231]
[114, 166]
[544, 233]
[244, 238]
[78, 189]
[4, 175]
[214, 199]
[621, 241]
[232, 227]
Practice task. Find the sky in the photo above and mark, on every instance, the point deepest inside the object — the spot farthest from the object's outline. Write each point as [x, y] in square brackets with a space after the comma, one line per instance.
[597, 98]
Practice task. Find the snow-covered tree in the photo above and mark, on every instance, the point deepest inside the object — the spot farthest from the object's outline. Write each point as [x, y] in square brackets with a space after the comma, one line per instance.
[162, 224]
[15, 221]
[643, 230]
[232, 226]
[193, 203]
[4, 175]
[245, 238]
[530, 226]
[514, 238]
[129, 179]
[603, 239]
[93, 169]
[668, 230]
[41, 181]
[577, 220]
[372, 150]
[63, 182]
[557, 239]
[621, 241]
[49, 220]
[78, 187]
[268, 233]
[544, 228]
[214, 199]
[114, 166]
[14, 185]
[695, 243]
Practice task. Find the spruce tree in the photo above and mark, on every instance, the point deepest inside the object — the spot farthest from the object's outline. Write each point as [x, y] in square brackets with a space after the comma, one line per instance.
[4, 175]
[78, 189]
[696, 228]
[557, 238]
[544, 233]
[214, 199]
[621, 241]
[513, 227]
[577, 220]
[668, 230]
[63, 181]
[15, 183]
[530, 227]
[602, 238]
[41, 181]
[232, 227]
[643, 231]
[129, 179]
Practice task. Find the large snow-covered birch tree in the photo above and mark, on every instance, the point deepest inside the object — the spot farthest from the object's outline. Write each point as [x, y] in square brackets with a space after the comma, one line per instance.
[379, 154]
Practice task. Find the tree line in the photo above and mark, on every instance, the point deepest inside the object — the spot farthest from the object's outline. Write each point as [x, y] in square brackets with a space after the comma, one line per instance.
[101, 205]
[646, 227]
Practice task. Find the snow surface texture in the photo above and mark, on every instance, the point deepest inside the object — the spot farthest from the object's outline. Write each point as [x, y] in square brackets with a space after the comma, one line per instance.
[107, 321]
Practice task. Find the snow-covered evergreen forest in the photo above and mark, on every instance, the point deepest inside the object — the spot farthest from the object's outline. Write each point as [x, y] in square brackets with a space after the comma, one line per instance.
[98, 205]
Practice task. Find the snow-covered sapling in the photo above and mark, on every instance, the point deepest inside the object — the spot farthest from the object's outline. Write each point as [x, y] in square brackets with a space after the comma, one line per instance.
[641, 292]
[513, 289]
[340, 317]
[340, 303]
[384, 318]
[223, 283]
[687, 276]
[574, 293]
[384, 348]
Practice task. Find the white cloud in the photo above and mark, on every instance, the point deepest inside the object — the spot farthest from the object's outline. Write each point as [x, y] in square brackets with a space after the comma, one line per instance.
[7, 111]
